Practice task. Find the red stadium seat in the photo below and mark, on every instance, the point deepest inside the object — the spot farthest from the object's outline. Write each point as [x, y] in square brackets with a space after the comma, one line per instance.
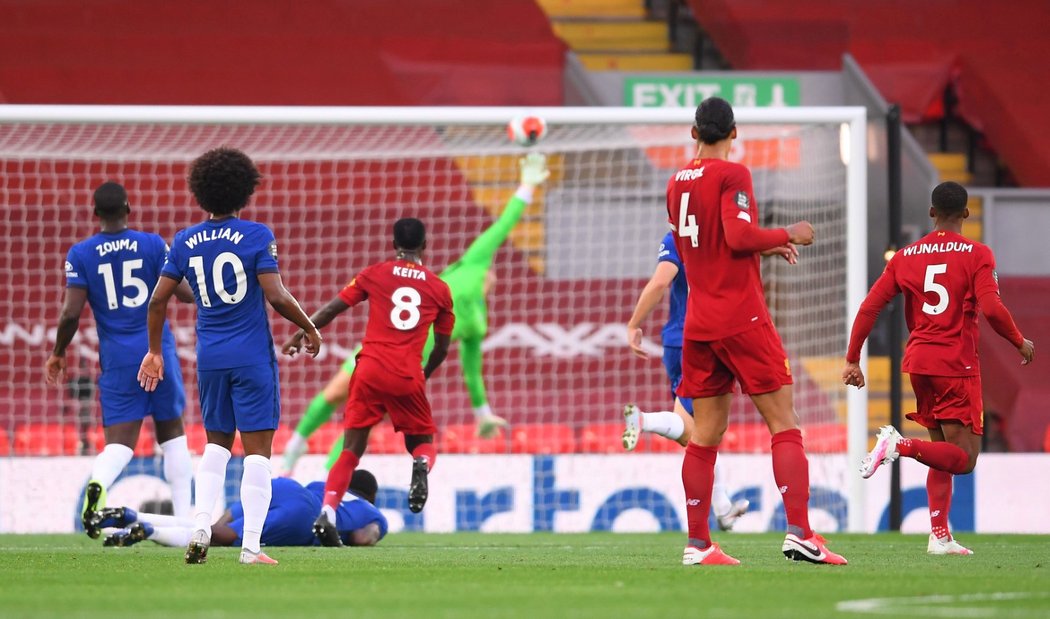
[384, 440]
[601, 438]
[320, 442]
[459, 438]
[46, 439]
[542, 438]
[196, 437]
[746, 438]
[144, 448]
[5, 443]
[825, 438]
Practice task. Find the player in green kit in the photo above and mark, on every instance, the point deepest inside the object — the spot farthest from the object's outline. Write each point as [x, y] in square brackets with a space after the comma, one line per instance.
[469, 279]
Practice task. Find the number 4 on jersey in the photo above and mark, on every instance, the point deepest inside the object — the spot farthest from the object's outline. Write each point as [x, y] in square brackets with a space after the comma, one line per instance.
[687, 227]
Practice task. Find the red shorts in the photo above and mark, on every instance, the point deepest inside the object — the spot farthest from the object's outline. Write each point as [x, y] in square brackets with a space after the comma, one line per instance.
[375, 391]
[948, 398]
[754, 358]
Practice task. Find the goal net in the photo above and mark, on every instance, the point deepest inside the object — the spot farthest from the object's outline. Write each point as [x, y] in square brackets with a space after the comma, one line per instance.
[555, 361]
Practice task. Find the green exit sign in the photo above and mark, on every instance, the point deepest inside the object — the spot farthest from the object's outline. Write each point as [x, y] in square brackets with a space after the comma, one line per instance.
[689, 92]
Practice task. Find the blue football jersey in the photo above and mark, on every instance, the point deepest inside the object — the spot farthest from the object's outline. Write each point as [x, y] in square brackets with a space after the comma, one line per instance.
[222, 261]
[119, 271]
[672, 331]
[353, 513]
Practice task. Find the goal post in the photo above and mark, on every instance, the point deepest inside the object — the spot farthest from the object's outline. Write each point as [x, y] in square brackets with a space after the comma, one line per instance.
[555, 363]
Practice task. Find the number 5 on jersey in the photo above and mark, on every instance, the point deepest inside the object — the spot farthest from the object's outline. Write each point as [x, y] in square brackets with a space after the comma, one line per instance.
[687, 227]
[929, 285]
[406, 301]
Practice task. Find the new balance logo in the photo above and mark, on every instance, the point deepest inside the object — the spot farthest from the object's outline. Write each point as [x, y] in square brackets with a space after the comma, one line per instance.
[692, 502]
[783, 489]
[935, 513]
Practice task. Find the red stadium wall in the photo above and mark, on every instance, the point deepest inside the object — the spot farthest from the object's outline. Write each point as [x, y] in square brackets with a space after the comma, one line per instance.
[324, 52]
[996, 54]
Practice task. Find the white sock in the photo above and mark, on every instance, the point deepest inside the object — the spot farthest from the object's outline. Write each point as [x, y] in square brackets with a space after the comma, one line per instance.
[482, 411]
[329, 511]
[720, 502]
[664, 423]
[255, 499]
[293, 450]
[163, 520]
[176, 537]
[211, 476]
[178, 470]
[110, 463]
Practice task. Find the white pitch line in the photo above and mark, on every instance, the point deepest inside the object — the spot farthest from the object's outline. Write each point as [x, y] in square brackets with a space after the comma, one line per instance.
[920, 605]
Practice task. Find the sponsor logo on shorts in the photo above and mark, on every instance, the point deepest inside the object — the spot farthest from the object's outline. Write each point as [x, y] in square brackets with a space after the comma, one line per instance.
[787, 367]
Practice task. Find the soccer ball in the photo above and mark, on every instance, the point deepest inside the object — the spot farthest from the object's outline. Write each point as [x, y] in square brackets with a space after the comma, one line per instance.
[526, 130]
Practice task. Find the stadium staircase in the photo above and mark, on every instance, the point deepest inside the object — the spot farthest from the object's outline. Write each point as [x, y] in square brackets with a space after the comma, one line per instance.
[614, 35]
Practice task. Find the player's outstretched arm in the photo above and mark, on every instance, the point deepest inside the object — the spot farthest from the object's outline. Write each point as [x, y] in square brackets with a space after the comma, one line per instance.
[881, 294]
[68, 323]
[286, 305]
[438, 354]
[151, 371]
[319, 320]
[649, 298]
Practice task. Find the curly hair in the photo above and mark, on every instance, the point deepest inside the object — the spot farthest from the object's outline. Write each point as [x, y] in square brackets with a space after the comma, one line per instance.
[222, 180]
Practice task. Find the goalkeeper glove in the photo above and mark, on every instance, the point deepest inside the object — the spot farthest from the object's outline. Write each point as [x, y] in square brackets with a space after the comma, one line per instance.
[534, 169]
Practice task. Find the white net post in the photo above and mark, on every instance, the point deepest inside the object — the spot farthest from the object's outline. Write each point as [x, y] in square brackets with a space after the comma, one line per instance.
[566, 280]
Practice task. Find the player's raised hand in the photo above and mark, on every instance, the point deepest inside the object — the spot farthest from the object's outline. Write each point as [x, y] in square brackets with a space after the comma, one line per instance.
[55, 368]
[800, 233]
[313, 342]
[151, 372]
[294, 344]
[852, 375]
[534, 169]
[634, 340]
[1027, 350]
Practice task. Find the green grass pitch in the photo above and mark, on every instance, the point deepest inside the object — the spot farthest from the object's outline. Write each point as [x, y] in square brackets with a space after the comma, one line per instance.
[601, 575]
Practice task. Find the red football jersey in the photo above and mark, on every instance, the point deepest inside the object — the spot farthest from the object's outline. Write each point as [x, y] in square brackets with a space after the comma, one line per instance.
[705, 200]
[404, 299]
[942, 276]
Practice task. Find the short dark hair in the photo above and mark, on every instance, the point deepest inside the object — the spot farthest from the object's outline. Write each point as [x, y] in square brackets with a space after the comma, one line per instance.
[110, 200]
[949, 199]
[364, 484]
[714, 120]
[222, 180]
[409, 233]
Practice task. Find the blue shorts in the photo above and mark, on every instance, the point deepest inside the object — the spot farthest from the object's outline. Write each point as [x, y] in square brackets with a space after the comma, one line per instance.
[673, 365]
[290, 520]
[123, 400]
[247, 398]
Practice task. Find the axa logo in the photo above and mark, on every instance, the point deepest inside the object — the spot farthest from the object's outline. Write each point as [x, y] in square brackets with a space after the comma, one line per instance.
[547, 339]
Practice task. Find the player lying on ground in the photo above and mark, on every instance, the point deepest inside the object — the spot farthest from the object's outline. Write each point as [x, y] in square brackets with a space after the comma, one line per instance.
[676, 425]
[945, 279]
[729, 335]
[404, 300]
[231, 265]
[469, 279]
[113, 271]
[289, 521]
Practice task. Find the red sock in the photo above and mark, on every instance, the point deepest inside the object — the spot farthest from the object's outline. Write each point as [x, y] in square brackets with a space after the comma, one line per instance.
[339, 478]
[698, 477]
[935, 454]
[939, 491]
[427, 451]
[791, 472]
